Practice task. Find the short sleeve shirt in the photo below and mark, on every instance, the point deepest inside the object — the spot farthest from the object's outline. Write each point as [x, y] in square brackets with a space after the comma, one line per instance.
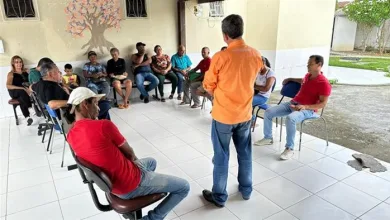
[161, 63]
[34, 76]
[116, 67]
[261, 80]
[204, 65]
[312, 89]
[94, 69]
[182, 62]
[99, 142]
[48, 90]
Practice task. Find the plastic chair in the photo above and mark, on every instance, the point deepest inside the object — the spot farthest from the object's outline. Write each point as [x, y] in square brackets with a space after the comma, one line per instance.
[58, 127]
[15, 103]
[129, 208]
[258, 108]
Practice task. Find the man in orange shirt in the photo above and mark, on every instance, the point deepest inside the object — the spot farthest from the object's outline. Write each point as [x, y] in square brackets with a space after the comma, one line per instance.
[230, 81]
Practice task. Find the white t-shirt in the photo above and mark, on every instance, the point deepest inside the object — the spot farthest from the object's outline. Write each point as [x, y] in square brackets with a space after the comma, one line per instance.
[261, 80]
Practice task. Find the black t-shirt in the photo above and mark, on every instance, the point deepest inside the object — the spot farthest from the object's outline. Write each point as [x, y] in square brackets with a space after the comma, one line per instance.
[49, 90]
[117, 68]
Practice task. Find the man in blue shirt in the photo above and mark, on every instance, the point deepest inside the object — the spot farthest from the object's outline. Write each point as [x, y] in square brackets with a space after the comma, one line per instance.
[181, 65]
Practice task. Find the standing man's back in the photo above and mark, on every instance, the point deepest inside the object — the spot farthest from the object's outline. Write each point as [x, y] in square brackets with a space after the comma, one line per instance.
[231, 80]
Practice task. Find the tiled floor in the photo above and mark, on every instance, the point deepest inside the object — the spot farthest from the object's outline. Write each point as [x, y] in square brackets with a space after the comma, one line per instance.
[317, 184]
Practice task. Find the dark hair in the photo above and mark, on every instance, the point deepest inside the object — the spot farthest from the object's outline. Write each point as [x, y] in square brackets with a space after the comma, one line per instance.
[318, 59]
[233, 26]
[266, 62]
[204, 48]
[68, 66]
[223, 48]
[71, 117]
[155, 48]
[114, 50]
[44, 60]
[46, 68]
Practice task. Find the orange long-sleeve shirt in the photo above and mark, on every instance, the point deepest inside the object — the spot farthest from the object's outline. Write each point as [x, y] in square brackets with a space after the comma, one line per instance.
[230, 79]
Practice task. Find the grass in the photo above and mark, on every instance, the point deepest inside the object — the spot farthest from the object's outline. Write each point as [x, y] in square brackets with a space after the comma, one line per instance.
[364, 63]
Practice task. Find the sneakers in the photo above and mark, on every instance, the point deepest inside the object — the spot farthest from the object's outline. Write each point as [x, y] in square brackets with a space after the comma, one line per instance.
[287, 154]
[141, 97]
[208, 196]
[264, 142]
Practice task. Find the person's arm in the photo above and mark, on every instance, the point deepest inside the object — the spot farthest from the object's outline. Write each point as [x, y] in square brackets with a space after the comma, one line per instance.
[197, 67]
[211, 77]
[320, 105]
[103, 72]
[298, 80]
[174, 65]
[270, 82]
[110, 70]
[56, 104]
[86, 72]
[189, 63]
[9, 85]
[128, 151]
[112, 132]
[154, 66]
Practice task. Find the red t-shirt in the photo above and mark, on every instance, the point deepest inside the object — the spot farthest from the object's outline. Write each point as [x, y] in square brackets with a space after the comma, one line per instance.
[204, 65]
[98, 142]
[312, 89]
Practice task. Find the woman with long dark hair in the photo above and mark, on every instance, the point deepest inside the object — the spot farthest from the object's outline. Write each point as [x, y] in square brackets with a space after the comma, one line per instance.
[17, 85]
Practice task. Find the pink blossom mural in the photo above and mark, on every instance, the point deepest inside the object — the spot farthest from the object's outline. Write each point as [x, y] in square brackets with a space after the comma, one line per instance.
[95, 16]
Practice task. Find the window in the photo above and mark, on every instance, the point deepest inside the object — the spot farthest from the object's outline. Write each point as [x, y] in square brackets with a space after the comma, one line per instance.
[136, 9]
[216, 9]
[19, 9]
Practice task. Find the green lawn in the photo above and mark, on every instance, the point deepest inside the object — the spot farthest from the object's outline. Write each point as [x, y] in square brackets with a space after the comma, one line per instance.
[363, 63]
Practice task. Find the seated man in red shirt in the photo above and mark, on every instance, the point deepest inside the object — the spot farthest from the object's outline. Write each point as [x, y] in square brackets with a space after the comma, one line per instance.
[100, 143]
[313, 95]
[196, 83]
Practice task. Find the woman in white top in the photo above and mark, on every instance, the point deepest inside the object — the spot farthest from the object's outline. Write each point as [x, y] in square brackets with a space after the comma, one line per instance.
[263, 86]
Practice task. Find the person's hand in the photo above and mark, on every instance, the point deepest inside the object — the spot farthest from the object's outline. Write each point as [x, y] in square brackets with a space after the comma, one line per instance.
[285, 81]
[111, 75]
[66, 89]
[298, 107]
[28, 91]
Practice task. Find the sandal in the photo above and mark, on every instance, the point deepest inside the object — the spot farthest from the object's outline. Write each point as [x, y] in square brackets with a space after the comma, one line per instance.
[121, 106]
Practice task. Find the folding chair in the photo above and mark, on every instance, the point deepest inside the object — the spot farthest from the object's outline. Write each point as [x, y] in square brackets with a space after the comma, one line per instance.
[58, 127]
[258, 108]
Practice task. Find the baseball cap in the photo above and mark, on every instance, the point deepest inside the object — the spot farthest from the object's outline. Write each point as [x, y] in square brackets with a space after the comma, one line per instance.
[80, 94]
[91, 53]
[140, 44]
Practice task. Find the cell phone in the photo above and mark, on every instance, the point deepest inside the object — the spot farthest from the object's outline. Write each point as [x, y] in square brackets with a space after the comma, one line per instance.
[294, 103]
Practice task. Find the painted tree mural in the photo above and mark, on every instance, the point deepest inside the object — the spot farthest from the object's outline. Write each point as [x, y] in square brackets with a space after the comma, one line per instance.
[95, 16]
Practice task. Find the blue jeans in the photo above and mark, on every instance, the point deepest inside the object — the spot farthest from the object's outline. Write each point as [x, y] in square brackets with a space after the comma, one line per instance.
[152, 182]
[293, 117]
[258, 100]
[140, 78]
[221, 135]
[180, 81]
[104, 106]
[99, 88]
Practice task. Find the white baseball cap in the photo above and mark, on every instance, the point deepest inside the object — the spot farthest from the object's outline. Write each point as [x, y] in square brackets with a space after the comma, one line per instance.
[80, 94]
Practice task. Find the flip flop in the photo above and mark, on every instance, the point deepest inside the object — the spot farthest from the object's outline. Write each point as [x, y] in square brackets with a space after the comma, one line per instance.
[121, 106]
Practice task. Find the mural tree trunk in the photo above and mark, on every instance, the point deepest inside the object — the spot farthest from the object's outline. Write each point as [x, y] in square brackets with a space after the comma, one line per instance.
[95, 16]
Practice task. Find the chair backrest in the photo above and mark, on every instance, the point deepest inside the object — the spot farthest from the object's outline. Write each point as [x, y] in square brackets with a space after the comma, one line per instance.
[94, 174]
[54, 118]
[290, 89]
[273, 86]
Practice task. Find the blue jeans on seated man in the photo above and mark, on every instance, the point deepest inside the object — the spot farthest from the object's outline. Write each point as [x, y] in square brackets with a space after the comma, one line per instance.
[140, 78]
[221, 134]
[258, 100]
[152, 182]
[293, 117]
[99, 87]
[104, 107]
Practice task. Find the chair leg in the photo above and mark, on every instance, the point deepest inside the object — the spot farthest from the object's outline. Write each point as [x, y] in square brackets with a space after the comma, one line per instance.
[281, 130]
[300, 136]
[44, 134]
[50, 137]
[52, 143]
[16, 115]
[115, 100]
[276, 119]
[63, 154]
[326, 131]
[203, 102]
[138, 214]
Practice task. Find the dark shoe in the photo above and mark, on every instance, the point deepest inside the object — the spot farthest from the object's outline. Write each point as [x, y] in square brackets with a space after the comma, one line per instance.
[179, 97]
[162, 100]
[29, 121]
[146, 100]
[195, 106]
[171, 96]
[208, 196]
[141, 97]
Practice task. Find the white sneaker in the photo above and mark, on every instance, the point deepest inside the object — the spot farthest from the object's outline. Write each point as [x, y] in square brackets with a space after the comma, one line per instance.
[287, 154]
[264, 142]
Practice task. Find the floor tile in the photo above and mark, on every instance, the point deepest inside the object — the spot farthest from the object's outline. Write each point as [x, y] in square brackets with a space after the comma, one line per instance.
[50, 211]
[344, 155]
[209, 212]
[282, 191]
[3, 184]
[388, 201]
[182, 154]
[231, 187]
[168, 143]
[319, 145]
[70, 186]
[156, 134]
[307, 156]
[194, 200]
[349, 199]
[261, 151]
[171, 214]
[333, 168]
[174, 171]
[258, 207]
[22, 151]
[381, 212]
[178, 130]
[197, 168]
[78, 207]
[31, 197]
[318, 209]
[29, 178]
[205, 146]
[283, 215]
[273, 162]
[383, 175]
[59, 172]
[143, 148]
[259, 173]
[192, 136]
[27, 163]
[162, 161]
[310, 179]
[111, 215]
[3, 205]
[370, 184]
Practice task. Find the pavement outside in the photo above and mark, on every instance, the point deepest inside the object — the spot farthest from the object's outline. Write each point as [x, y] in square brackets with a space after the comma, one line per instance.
[358, 118]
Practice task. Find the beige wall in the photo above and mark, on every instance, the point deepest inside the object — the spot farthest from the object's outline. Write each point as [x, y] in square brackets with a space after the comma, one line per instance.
[203, 31]
[47, 37]
[305, 23]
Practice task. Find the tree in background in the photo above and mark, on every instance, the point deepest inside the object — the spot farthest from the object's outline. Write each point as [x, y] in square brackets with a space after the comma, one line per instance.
[368, 13]
[95, 16]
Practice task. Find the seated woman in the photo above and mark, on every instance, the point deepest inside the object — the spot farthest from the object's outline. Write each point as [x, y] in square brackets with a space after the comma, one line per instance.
[95, 74]
[116, 69]
[162, 68]
[263, 86]
[17, 85]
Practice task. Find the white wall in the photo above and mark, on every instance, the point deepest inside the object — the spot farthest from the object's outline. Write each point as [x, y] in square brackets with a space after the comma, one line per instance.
[371, 41]
[344, 34]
